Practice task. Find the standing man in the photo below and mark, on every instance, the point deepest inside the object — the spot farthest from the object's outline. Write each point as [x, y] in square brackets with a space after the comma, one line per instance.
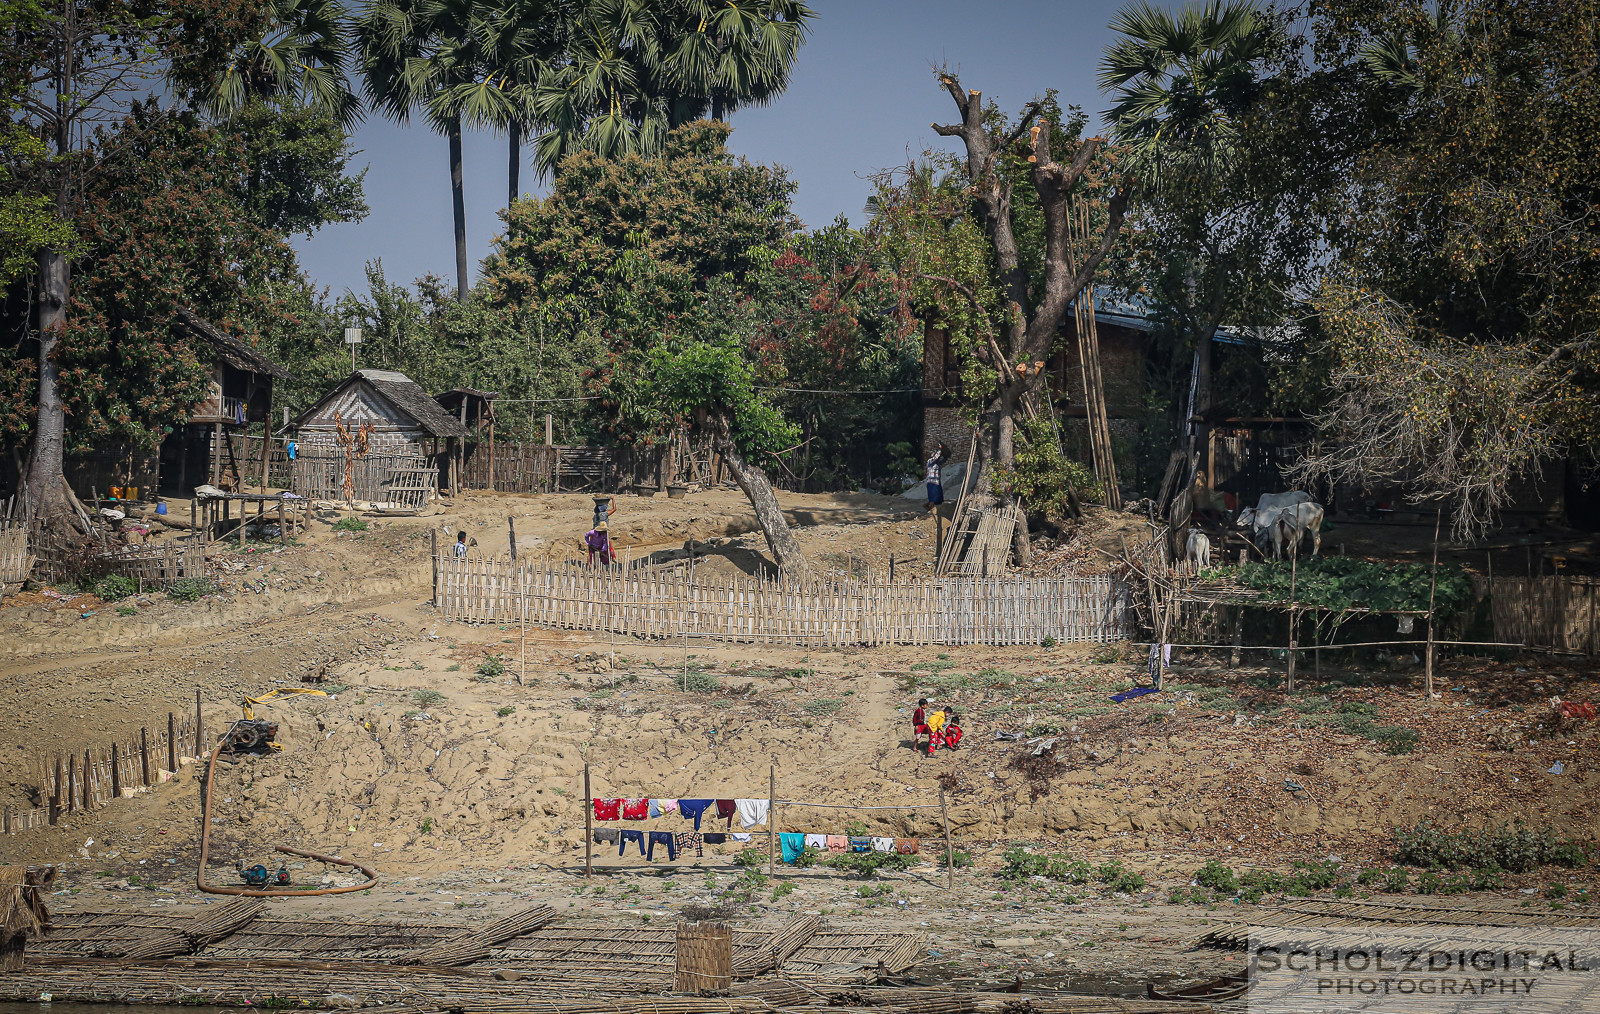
[935, 467]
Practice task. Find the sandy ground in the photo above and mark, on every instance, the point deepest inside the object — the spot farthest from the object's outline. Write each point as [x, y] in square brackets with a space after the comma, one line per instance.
[451, 757]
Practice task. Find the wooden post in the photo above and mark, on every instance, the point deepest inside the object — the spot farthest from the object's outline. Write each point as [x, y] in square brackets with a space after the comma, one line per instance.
[949, 853]
[511, 536]
[8, 820]
[588, 825]
[549, 430]
[433, 554]
[172, 742]
[199, 728]
[88, 767]
[116, 772]
[266, 441]
[1433, 585]
[144, 753]
[772, 820]
[55, 794]
[193, 524]
[244, 514]
[492, 486]
[1293, 616]
[283, 522]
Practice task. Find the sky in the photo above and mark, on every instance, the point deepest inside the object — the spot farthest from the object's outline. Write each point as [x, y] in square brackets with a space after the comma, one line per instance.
[862, 100]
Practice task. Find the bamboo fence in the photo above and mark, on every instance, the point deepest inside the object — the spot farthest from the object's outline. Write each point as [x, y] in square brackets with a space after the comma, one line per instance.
[159, 565]
[517, 468]
[67, 783]
[1554, 611]
[409, 479]
[16, 559]
[963, 609]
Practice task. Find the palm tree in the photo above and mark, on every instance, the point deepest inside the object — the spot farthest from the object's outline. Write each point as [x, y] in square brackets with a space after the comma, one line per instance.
[731, 53]
[414, 55]
[1181, 80]
[299, 60]
[520, 41]
[608, 93]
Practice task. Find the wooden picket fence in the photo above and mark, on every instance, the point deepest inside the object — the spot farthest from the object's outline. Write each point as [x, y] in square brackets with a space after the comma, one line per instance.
[964, 609]
[67, 783]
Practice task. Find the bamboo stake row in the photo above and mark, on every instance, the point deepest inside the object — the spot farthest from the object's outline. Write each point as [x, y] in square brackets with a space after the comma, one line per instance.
[961, 609]
[88, 781]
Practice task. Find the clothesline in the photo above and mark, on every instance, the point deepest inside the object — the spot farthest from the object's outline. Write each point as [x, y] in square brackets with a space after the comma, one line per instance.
[852, 806]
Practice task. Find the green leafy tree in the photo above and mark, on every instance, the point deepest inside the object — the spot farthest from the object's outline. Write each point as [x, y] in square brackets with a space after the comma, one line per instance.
[712, 387]
[1213, 241]
[1464, 292]
[731, 53]
[298, 59]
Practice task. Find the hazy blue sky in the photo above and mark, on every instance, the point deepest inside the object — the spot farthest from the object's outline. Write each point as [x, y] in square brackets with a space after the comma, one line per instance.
[862, 98]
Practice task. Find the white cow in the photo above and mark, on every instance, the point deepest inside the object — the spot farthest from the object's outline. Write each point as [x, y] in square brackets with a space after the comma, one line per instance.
[1198, 549]
[1288, 499]
[1286, 526]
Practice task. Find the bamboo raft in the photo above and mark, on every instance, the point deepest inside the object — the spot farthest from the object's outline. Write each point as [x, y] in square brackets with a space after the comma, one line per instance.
[1370, 914]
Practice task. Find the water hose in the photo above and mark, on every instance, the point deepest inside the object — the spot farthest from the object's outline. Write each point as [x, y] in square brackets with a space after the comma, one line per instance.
[265, 892]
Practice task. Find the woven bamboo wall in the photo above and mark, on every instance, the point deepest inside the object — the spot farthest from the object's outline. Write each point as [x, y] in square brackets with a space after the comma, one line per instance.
[1548, 612]
[965, 609]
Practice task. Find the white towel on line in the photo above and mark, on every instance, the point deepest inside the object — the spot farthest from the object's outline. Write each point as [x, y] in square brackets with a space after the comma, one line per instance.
[883, 844]
[817, 841]
[751, 811]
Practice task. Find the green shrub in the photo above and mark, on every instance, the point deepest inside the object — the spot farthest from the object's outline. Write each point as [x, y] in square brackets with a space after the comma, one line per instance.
[492, 667]
[698, 682]
[114, 587]
[127, 611]
[870, 863]
[425, 698]
[1047, 480]
[961, 860]
[750, 858]
[823, 706]
[807, 858]
[1347, 582]
[1507, 846]
[1217, 877]
[1318, 876]
[506, 710]
[1395, 880]
[189, 589]
[350, 525]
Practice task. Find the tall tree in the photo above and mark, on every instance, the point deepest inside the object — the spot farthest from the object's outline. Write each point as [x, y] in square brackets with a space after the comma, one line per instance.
[416, 55]
[1035, 296]
[732, 53]
[85, 61]
[299, 60]
[1208, 240]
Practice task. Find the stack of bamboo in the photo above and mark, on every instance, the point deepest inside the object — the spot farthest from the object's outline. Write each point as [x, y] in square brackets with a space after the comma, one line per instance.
[22, 910]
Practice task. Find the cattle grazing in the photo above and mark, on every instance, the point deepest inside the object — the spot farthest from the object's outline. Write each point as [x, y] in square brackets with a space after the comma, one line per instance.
[1284, 525]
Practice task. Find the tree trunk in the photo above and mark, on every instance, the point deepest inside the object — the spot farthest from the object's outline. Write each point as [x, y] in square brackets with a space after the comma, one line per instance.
[514, 185]
[47, 482]
[716, 104]
[458, 196]
[751, 479]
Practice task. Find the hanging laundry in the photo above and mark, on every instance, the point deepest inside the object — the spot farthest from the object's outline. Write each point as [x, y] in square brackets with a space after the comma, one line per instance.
[908, 846]
[655, 809]
[691, 840]
[751, 811]
[860, 844]
[607, 809]
[838, 843]
[637, 837]
[726, 809]
[883, 844]
[636, 809]
[715, 837]
[605, 836]
[739, 836]
[693, 808]
[666, 806]
[793, 845]
[662, 838]
[817, 841]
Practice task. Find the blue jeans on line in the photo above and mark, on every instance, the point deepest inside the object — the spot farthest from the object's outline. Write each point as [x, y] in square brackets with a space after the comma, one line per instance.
[662, 838]
[624, 837]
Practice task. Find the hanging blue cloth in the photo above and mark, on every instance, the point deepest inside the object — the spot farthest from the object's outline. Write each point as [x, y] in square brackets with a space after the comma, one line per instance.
[793, 846]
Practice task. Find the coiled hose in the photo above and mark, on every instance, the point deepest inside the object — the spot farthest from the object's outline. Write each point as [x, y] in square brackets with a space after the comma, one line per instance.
[265, 892]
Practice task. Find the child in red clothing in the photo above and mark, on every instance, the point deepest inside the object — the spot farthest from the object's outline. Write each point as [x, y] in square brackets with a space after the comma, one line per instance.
[952, 730]
[919, 723]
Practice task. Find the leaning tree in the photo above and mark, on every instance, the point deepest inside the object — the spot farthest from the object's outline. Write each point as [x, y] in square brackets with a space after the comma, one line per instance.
[1036, 299]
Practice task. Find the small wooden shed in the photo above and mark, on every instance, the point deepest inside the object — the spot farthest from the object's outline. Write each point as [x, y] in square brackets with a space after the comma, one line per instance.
[405, 421]
[209, 446]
